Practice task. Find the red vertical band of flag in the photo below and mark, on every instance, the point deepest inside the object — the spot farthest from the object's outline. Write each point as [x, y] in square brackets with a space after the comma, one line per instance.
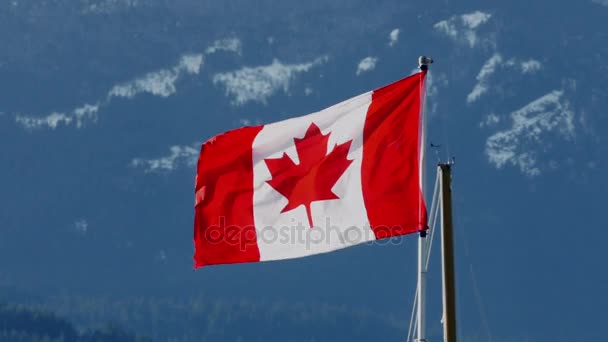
[391, 155]
[224, 230]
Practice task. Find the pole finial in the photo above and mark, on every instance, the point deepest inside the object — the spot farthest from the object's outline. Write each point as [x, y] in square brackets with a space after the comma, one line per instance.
[424, 62]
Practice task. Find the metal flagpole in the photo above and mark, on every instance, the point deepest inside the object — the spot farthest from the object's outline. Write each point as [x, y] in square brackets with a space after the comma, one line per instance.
[423, 64]
[447, 254]
[421, 305]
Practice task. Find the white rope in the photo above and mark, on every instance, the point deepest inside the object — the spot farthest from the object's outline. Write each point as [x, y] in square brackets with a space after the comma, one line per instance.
[433, 221]
[413, 318]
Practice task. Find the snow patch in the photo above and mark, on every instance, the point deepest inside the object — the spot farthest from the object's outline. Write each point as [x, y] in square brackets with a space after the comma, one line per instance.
[178, 155]
[490, 121]
[81, 226]
[515, 145]
[483, 77]
[228, 44]
[161, 82]
[257, 84]
[366, 64]
[79, 116]
[463, 28]
[491, 66]
[531, 66]
[393, 37]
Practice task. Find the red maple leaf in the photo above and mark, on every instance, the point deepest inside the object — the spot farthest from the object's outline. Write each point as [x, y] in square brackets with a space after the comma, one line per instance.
[312, 179]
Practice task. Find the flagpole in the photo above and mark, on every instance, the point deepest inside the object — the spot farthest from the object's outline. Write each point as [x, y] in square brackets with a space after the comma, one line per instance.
[423, 64]
[421, 298]
[447, 254]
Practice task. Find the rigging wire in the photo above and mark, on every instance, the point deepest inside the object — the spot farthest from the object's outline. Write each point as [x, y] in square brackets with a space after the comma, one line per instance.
[413, 318]
[479, 301]
[476, 291]
[432, 223]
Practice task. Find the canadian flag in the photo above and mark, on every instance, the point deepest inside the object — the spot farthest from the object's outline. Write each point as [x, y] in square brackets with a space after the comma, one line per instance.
[345, 175]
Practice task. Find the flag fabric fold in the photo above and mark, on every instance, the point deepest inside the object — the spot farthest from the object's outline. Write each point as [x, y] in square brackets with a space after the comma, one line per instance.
[342, 176]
